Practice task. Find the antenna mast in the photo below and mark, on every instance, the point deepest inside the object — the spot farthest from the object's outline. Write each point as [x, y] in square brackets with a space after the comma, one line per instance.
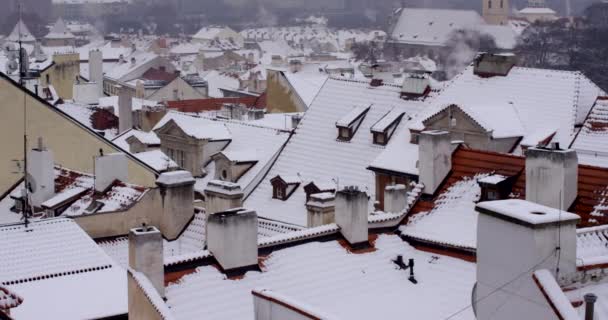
[22, 83]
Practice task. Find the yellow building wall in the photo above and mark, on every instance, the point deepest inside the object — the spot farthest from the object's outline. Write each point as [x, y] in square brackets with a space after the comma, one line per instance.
[280, 95]
[62, 74]
[72, 144]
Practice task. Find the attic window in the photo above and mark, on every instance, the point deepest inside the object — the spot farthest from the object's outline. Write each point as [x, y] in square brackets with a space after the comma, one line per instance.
[319, 187]
[350, 123]
[495, 187]
[384, 129]
[284, 187]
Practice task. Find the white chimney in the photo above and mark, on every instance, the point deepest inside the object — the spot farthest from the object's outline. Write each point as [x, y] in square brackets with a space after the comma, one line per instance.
[222, 195]
[435, 159]
[41, 170]
[395, 198]
[109, 168]
[552, 177]
[146, 255]
[232, 237]
[177, 199]
[352, 215]
[514, 239]
[321, 208]
[125, 110]
[96, 70]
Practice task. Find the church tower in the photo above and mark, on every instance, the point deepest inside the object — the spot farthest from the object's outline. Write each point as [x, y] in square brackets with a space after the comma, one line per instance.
[496, 11]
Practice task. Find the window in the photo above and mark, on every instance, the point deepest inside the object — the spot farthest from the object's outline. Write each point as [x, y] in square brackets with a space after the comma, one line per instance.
[280, 193]
[350, 123]
[224, 174]
[492, 195]
[48, 79]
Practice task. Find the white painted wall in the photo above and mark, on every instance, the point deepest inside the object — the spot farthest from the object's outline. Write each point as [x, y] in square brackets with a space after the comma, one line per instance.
[41, 167]
[435, 159]
[232, 237]
[109, 168]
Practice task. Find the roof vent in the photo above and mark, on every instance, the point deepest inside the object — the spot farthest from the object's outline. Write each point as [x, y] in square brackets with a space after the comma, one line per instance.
[376, 82]
[491, 65]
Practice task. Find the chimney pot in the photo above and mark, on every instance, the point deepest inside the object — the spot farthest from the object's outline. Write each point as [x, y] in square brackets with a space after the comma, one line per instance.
[146, 255]
[590, 300]
[177, 192]
[435, 159]
[552, 176]
[232, 237]
[352, 215]
[395, 198]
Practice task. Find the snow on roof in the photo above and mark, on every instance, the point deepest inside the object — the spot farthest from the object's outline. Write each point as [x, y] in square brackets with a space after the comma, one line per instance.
[352, 115]
[555, 295]
[151, 294]
[9, 299]
[592, 246]
[493, 179]
[83, 114]
[20, 31]
[306, 85]
[390, 118]
[63, 196]
[50, 248]
[217, 81]
[326, 276]
[59, 31]
[451, 218]
[123, 69]
[315, 154]
[157, 160]
[197, 127]
[400, 155]
[432, 26]
[174, 177]
[536, 11]
[591, 143]
[87, 295]
[210, 33]
[241, 155]
[527, 212]
[541, 98]
[137, 103]
[190, 241]
[109, 52]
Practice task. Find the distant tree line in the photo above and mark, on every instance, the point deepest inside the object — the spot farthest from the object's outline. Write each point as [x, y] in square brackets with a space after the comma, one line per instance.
[566, 44]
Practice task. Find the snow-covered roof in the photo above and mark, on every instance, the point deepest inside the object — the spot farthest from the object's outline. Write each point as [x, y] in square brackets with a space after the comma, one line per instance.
[9, 299]
[196, 127]
[83, 114]
[157, 160]
[59, 31]
[537, 11]
[400, 155]
[527, 212]
[122, 70]
[136, 103]
[333, 281]
[109, 52]
[542, 99]
[210, 33]
[315, 154]
[20, 32]
[591, 143]
[306, 85]
[48, 265]
[217, 81]
[454, 212]
[432, 26]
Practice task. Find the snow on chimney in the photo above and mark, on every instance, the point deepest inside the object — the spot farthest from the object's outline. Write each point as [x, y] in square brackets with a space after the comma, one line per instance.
[434, 159]
[490, 65]
[109, 168]
[415, 85]
[514, 239]
[232, 237]
[177, 194]
[96, 70]
[352, 215]
[41, 168]
[222, 195]
[395, 198]
[552, 176]
[125, 110]
[146, 255]
[321, 209]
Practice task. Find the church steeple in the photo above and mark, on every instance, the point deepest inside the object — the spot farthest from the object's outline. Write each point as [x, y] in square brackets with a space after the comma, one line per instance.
[496, 11]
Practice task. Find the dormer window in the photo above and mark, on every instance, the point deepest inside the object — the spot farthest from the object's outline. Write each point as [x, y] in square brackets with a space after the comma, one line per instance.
[284, 187]
[495, 187]
[384, 129]
[350, 123]
[319, 187]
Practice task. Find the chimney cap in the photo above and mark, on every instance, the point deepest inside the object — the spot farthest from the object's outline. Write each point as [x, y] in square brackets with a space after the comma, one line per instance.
[526, 213]
[175, 178]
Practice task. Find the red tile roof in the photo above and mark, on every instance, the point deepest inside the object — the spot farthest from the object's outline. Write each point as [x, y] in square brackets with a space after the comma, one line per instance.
[592, 181]
[214, 104]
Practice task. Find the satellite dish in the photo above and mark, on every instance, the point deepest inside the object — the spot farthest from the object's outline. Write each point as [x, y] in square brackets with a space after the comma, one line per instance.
[32, 186]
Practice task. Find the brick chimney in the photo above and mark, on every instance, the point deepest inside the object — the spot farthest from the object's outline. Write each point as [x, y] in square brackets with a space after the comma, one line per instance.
[41, 168]
[109, 168]
[232, 237]
[514, 239]
[352, 215]
[177, 196]
[146, 255]
[222, 195]
[321, 208]
[434, 159]
[552, 176]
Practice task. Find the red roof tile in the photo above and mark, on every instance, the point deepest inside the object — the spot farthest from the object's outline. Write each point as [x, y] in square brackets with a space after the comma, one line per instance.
[214, 104]
[592, 181]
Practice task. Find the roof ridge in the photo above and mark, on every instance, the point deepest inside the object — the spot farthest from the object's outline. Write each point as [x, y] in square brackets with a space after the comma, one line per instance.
[224, 121]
